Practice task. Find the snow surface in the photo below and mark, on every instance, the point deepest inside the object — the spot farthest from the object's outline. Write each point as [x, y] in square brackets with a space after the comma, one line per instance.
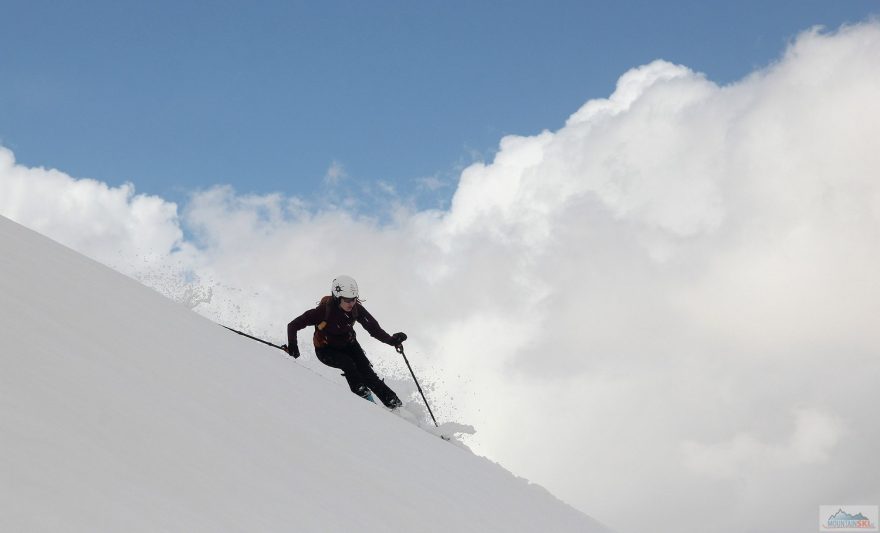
[123, 411]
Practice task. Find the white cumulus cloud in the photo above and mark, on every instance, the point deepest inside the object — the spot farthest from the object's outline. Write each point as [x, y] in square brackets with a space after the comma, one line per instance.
[812, 441]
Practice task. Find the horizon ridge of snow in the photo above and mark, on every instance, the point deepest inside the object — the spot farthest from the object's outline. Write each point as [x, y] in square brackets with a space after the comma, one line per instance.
[123, 411]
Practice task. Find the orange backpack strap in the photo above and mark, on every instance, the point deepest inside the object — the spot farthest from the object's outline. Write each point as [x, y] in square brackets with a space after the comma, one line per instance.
[326, 302]
[319, 339]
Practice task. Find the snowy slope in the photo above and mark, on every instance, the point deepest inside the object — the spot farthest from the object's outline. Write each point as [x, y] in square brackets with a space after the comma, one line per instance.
[122, 411]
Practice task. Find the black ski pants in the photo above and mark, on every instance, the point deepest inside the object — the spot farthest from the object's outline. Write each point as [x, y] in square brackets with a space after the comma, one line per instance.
[358, 371]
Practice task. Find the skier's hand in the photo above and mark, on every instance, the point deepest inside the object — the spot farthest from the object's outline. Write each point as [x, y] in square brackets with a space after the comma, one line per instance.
[398, 338]
[294, 353]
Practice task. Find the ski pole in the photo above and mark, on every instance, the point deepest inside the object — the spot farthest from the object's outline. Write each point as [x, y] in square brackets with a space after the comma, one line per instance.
[399, 349]
[254, 338]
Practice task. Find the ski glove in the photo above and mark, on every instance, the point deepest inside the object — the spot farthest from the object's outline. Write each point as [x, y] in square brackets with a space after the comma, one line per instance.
[398, 338]
[294, 352]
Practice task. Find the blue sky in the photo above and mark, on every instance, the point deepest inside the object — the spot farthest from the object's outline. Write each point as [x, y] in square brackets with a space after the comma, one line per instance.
[178, 96]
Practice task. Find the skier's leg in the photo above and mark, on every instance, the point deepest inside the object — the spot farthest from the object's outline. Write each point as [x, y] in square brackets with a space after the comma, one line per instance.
[343, 360]
[371, 380]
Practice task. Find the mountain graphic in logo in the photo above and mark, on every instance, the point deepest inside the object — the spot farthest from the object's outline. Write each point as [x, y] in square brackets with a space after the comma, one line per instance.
[843, 515]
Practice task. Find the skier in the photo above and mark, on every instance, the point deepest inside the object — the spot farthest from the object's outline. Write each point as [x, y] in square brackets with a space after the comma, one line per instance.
[336, 344]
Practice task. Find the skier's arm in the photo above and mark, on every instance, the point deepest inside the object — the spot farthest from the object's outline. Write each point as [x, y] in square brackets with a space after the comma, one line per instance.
[373, 328]
[310, 318]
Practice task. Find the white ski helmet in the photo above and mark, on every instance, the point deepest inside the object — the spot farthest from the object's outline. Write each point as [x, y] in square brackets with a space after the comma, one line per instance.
[344, 287]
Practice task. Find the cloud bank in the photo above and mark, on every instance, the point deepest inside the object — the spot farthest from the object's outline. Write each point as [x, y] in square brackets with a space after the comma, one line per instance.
[666, 308]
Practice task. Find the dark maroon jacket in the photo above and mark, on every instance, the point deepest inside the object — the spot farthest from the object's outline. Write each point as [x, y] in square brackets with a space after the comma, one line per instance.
[336, 328]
